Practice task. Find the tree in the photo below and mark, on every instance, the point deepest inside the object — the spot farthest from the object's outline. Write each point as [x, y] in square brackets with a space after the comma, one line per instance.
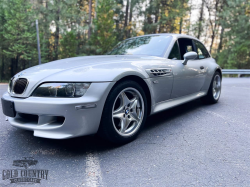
[130, 16]
[236, 39]
[165, 16]
[67, 28]
[2, 46]
[126, 15]
[104, 36]
[68, 45]
[56, 19]
[151, 25]
[90, 18]
[200, 19]
[214, 8]
[18, 33]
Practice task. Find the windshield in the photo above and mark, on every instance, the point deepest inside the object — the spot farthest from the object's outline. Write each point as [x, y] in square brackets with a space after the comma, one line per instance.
[155, 45]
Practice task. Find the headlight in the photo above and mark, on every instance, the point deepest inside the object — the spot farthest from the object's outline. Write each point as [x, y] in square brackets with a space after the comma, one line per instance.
[61, 90]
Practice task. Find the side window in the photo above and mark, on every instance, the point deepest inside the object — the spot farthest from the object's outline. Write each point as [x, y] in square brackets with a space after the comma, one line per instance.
[175, 53]
[186, 45]
[201, 50]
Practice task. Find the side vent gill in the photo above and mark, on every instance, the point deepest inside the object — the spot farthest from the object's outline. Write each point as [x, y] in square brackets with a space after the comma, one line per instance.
[159, 72]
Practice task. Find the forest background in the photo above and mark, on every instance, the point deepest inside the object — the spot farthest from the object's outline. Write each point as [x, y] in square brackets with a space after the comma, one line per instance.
[69, 28]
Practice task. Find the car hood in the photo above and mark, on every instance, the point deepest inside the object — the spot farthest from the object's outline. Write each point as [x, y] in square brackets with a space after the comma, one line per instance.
[53, 67]
[78, 67]
[104, 68]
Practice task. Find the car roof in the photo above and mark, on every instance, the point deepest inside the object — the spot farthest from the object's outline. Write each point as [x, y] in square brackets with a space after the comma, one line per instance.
[170, 34]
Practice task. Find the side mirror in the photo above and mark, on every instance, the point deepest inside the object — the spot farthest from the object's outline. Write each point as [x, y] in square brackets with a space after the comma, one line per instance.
[189, 56]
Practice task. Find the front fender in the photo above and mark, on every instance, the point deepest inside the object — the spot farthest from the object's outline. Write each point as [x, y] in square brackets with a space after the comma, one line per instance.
[213, 67]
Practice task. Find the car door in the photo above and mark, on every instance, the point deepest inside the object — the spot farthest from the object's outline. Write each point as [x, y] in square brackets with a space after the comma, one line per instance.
[203, 59]
[187, 78]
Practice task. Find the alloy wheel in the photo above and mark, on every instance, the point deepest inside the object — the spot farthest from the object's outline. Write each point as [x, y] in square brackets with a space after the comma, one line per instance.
[216, 87]
[128, 111]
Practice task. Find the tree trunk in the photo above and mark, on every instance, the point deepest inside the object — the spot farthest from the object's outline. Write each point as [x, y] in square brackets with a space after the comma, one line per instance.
[57, 33]
[24, 64]
[12, 71]
[148, 19]
[212, 41]
[96, 5]
[90, 16]
[56, 41]
[221, 38]
[130, 17]
[213, 24]
[117, 24]
[222, 29]
[180, 26]
[159, 30]
[200, 20]
[190, 13]
[17, 59]
[126, 15]
[47, 43]
[79, 41]
[2, 68]
[160, 15]
[156, 18]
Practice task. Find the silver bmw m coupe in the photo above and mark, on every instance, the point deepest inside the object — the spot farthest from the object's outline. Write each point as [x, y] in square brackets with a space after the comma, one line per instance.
[112, 94]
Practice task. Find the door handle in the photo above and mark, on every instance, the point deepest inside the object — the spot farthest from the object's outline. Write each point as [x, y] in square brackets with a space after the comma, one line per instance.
[202, 67]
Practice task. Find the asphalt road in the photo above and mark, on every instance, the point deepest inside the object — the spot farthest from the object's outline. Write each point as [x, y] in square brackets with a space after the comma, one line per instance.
[190, 145]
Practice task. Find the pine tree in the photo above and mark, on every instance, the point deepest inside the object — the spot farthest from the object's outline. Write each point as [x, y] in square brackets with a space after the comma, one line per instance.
[104, 35]
[56, 19]
[68, 45]
[236, 49]
[165, 16]
[18, 33]
[2, 46]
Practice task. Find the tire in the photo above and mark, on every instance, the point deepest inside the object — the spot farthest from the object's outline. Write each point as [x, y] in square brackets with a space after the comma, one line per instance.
[214, 91]
[124, 113]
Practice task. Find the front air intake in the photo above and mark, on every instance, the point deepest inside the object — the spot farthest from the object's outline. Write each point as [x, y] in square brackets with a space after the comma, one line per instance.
[20, 85]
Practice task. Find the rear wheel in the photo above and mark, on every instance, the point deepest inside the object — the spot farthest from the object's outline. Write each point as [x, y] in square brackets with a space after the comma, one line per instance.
[214, 91]
[124, 113]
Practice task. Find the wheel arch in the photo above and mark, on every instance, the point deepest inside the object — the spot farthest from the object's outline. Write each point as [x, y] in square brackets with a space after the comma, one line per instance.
[218, 69]
[144, 85]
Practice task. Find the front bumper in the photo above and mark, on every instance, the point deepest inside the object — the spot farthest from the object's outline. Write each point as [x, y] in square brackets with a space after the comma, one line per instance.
[81, 115]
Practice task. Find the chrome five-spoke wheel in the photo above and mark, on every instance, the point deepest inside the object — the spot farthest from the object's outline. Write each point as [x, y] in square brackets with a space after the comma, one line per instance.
[216, 87]
[214, 90]
[128, 111]
[124, 113]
